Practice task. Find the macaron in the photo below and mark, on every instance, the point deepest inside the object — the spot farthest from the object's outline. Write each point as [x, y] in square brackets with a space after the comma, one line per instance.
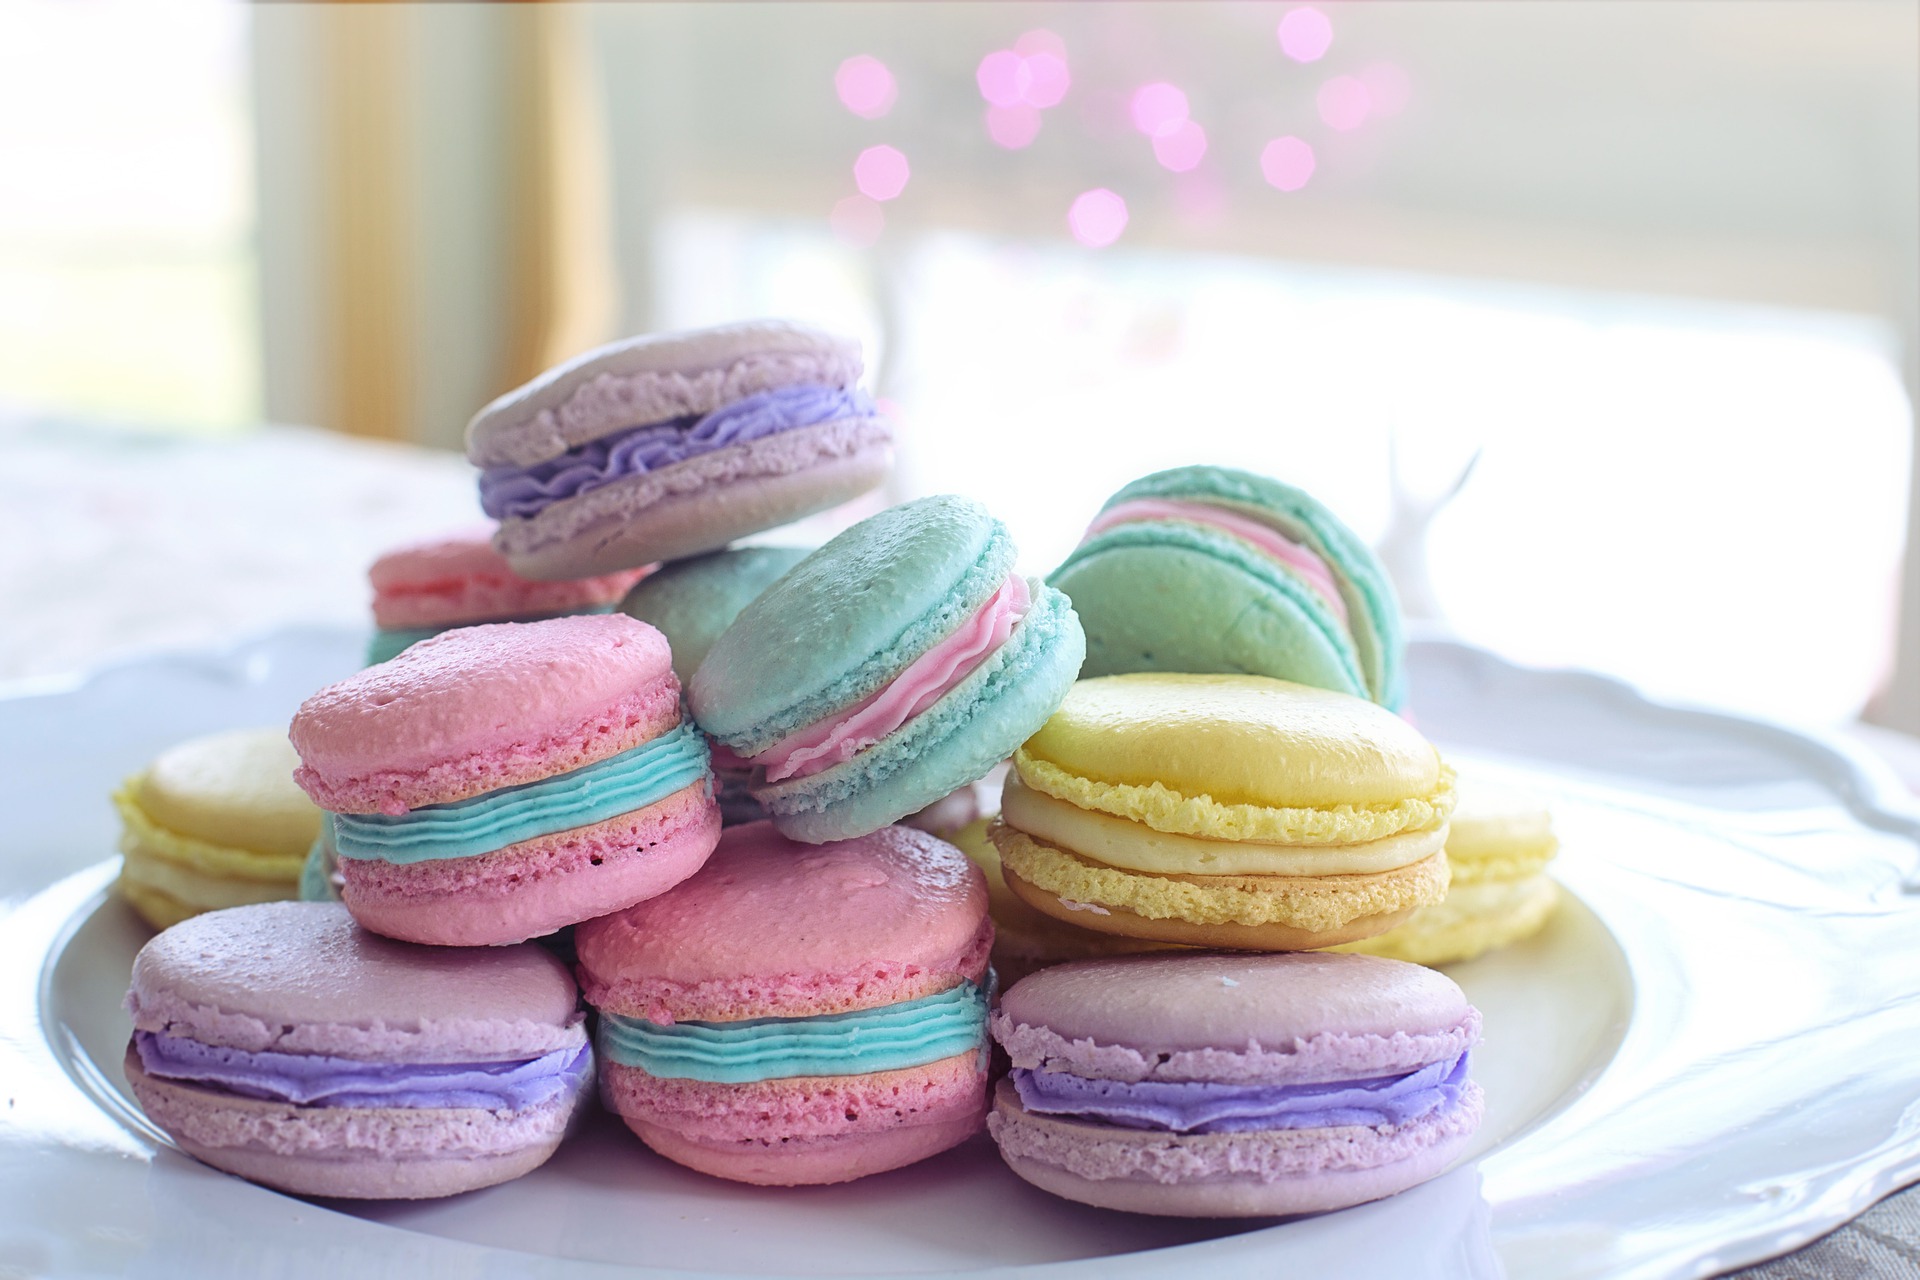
[664, 446]
[1222, 1086]
[691, 602]
[1499, 843]
[497, 782]
[798, 1014]
[1026, 939]
[422, 589]
[1210, 569]
[283, 1043]
[214, 822]
[1225, 811]
[899, 662]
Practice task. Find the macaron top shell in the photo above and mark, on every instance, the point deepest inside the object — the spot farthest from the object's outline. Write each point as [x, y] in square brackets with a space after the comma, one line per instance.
[693, 601]
[654, 378]
[770, 927]
[302, 977]
[1239, 739]
[848, 618]
[1493, 821]
[1291, 1017]
[516, 701]
[462, 578]
[234, 789]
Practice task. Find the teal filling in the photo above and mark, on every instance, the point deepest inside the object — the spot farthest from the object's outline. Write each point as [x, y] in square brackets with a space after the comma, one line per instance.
[605, 789]
[910, 1034]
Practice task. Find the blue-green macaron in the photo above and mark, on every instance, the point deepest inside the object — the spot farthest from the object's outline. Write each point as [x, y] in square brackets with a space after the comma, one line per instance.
[1211, 570]
[691, 602]
[899, 662]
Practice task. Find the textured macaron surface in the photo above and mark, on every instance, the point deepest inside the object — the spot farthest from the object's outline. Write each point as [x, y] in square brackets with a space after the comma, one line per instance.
[302, 978]
[692, 601]
[1300, 1016]
[464, 579]
[844, 621]
[231, 789]
[654, 378]
[1237, 757]
[479, 708]
[773, 928]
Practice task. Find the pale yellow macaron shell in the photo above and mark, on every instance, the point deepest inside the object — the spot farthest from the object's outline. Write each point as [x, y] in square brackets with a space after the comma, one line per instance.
[215, 822]
[1242, 758]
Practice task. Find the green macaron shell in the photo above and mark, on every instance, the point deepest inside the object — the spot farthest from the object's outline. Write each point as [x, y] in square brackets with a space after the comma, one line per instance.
[1373, 634]
[1177, 597]
[978, 724]
[692, 601]
[849, 618]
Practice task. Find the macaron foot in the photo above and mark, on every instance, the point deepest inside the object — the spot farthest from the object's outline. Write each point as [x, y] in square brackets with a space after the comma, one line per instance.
[810, 1161]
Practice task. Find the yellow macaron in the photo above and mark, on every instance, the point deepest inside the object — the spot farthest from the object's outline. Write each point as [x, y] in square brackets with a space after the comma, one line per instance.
[1498, 847]
[214, 822]
[1225, 811]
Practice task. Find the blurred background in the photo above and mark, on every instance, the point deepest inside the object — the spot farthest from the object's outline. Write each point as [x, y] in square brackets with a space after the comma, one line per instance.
[1599, 317]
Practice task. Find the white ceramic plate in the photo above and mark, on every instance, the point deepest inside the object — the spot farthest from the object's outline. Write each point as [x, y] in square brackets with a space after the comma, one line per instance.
[1706, 1059]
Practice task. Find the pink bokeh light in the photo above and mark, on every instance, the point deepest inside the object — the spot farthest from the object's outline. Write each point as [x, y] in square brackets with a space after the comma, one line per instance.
[999, 76]
[1344, 103]
[858, 220]
[1181, 147]
[1388, 87]
[881, 173]
[865, 86]
[1305, 34]
[1158, 108]
[1013, 127]
[1097, 217]
[1287, 163]
[1040, 40]
[1033, 73]
[1047, 80]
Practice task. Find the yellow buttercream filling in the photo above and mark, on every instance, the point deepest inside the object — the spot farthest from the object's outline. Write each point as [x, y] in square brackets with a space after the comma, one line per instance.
[198, 891]
[1122, 843]
[1473, 920]
[143, 837]
[1313, 903]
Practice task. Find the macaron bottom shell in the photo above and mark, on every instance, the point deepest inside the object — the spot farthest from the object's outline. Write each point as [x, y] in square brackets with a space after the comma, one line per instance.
[1258, 1173]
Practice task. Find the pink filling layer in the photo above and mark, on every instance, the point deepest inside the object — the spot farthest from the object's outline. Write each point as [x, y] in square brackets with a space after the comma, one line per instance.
[1282, 548]
[929, 678]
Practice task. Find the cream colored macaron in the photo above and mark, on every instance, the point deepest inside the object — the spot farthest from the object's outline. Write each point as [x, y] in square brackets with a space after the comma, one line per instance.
[214, 822]
[1225, 811]
[1498, 849]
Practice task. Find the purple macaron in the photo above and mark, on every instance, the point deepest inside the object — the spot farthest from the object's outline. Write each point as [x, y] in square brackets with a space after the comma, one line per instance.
[1222, 1085]
[285, 1044]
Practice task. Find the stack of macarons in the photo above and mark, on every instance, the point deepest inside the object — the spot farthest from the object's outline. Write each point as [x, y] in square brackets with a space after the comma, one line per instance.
[424, 588]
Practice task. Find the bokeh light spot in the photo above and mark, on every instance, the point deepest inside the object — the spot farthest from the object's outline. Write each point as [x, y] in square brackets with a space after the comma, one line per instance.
[1387, 87]
[1305, 34]
[858, 220]
[1287, 163]
[1013, 127]
[881, 173]
[999, 76]
[1040, 40]
[1047, 80]
[1344, 103]
[1097, 217]
[1158, 108]
[1181, 147]
[865, 86]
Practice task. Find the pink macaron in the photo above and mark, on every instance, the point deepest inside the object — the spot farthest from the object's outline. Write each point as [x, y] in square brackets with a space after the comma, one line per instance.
[1227, 1085]
[426, 587]
[283, 1043]
[499, 782]
[798, 1014]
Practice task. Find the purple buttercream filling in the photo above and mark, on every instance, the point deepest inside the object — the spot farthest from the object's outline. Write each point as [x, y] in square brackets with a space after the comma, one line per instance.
[1197, 1107]
[526, 491]
[315, 1080]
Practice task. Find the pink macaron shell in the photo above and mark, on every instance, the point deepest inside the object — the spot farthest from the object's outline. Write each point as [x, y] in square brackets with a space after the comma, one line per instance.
[1301, 1017]
[300, 977]
[537, 886]
[462, 579]
[702, 503]
[1253, 1174]
[382, 1153]
[774, 928]
[479, 708]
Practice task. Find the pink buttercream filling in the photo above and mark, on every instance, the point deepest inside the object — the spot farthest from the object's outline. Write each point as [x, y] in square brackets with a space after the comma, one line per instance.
[1272, 542]
[926, 680]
